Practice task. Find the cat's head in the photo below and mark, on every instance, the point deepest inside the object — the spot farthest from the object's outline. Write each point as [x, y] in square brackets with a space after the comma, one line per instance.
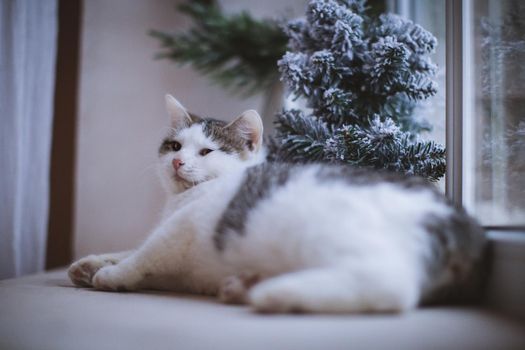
[200, 149]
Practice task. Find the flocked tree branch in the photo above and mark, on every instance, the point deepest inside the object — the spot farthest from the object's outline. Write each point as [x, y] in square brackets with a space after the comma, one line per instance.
[362, 78]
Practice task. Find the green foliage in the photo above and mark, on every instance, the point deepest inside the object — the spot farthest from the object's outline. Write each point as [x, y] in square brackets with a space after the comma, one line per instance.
[236, 51]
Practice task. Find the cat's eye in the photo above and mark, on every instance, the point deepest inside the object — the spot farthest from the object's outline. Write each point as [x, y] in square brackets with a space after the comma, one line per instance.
[175, 146]
[205, 151]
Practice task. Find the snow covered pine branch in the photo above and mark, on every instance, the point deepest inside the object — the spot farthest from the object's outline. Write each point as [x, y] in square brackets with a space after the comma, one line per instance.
[361, 77]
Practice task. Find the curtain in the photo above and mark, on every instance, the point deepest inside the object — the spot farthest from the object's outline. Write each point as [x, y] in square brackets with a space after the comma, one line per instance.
[28, 32]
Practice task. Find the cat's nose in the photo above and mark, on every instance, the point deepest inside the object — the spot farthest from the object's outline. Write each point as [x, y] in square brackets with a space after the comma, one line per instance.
[177, 163]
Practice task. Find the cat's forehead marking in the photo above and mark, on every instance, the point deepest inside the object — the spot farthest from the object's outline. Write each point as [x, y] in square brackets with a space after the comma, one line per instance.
[208, 132]
[228, 138]
[195, 135]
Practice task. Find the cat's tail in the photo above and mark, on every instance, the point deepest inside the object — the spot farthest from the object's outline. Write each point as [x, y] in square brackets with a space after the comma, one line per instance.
[463, 269]
[344, 289]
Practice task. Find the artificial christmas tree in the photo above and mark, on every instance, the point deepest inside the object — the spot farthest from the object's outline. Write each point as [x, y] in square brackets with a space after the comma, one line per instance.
[361, 78]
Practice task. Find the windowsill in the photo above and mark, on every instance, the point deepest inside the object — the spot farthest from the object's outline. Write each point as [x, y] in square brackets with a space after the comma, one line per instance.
[507, 237]
[506, 286]
[46, 312]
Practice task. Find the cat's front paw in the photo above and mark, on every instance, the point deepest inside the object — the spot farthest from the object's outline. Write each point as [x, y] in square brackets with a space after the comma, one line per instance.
[234, 289]
[279, 296]
[272, 301]
[115, 279]
[81, 272]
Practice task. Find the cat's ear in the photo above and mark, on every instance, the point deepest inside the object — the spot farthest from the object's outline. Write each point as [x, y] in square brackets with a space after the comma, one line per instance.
[250, 127]
[179, 116]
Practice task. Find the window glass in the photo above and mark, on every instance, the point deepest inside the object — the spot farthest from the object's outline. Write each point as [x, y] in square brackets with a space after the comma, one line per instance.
[494, 111]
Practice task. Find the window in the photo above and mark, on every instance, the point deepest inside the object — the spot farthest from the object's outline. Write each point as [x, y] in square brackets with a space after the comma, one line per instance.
[494, 111]
[484, 43]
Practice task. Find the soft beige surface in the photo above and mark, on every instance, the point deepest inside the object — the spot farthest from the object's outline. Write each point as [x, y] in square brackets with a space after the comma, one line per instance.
[45, 312]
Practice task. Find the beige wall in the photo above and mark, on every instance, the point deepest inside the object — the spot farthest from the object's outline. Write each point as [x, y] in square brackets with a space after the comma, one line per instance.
[122, 118]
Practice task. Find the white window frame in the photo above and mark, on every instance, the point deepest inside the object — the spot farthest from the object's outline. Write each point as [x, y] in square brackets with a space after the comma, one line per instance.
[460, 126]
[454, 100]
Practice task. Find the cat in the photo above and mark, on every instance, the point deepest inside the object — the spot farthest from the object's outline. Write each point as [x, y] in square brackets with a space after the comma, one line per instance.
[289, 237]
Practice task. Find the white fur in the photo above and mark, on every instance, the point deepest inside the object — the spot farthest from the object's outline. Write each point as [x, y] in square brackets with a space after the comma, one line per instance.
[337, 248]
[317, 246]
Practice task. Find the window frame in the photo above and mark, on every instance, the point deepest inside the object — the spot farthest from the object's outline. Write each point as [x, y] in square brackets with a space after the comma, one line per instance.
[507, 243]
[454, 100]
[459, 89]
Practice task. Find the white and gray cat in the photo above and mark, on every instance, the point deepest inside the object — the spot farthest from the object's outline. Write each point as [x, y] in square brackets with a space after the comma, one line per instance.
[285, 238]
